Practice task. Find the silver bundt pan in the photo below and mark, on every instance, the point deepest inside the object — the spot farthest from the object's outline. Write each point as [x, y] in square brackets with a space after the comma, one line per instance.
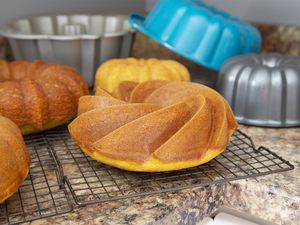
[80, 41]
[262, 89]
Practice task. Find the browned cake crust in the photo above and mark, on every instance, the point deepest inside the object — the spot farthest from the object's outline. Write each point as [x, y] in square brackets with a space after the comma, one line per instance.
[37, 93]
[124, 90]
[112, 73]
[14, 158]
[163, 126]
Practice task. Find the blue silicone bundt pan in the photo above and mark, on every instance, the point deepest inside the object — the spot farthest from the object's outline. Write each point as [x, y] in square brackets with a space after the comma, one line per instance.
[198, 31]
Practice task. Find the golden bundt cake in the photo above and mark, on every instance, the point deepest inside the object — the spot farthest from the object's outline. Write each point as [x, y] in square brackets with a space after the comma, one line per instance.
[14, 158]
[39, 96]
[164, 126]
[114, 71]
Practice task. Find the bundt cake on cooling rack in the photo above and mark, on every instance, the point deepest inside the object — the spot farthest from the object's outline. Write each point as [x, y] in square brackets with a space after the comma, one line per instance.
[114, 71]
[163, 126]
[39, 96]
[14, 158]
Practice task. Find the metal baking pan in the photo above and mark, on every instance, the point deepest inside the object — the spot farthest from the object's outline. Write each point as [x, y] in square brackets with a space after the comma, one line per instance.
[262, 89]
[80, 41]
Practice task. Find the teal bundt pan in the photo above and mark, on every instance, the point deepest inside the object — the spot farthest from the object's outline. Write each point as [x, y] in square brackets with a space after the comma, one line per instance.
[198, 31]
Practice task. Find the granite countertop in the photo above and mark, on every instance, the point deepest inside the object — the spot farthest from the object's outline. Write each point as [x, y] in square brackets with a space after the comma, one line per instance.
[274, 197]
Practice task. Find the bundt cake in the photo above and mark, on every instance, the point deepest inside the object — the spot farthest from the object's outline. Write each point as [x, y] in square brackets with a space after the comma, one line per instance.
[111, 73]
[14, 158]
[39, 96]
[164, 126]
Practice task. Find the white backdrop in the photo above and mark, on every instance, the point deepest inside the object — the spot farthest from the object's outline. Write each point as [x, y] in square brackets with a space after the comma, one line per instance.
[12, 9]
[269, 11]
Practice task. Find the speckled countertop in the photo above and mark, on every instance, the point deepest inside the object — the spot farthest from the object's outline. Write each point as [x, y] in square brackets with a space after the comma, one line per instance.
[273, 197]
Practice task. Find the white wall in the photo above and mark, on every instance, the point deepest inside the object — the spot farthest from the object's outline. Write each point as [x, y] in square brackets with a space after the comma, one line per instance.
[149, 4]
[12, 9]
[268, 11]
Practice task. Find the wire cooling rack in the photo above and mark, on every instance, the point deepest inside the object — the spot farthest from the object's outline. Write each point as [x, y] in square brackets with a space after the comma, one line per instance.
[92, 182]
[42, 194]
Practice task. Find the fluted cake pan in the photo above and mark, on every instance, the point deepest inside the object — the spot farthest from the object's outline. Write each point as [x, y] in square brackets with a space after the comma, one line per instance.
[80, 41]
[198, 32]
[262, 89]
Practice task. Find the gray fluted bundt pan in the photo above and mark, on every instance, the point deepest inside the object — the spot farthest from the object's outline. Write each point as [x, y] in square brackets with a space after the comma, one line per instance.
[262, 89]
[80, 41]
